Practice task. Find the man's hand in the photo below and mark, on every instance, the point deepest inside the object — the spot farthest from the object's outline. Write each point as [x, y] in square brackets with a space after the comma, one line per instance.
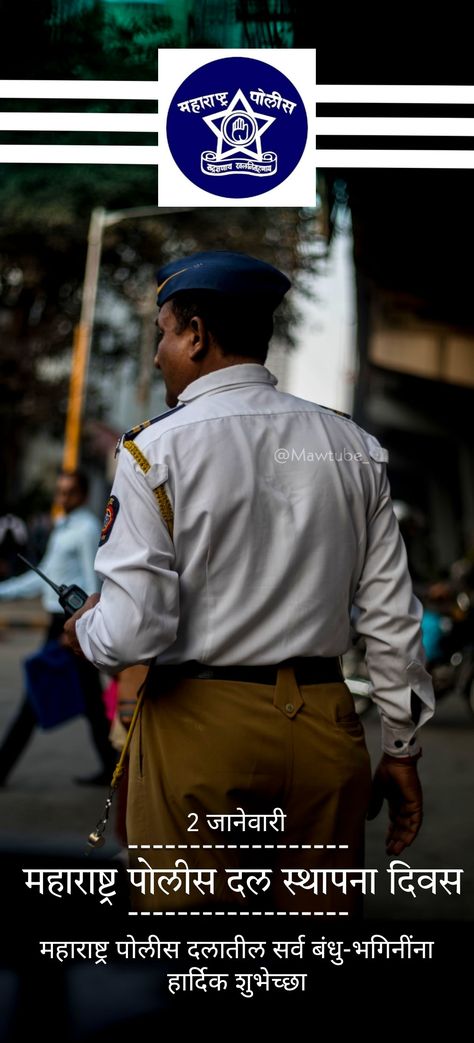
[70, 639]
[397, 781]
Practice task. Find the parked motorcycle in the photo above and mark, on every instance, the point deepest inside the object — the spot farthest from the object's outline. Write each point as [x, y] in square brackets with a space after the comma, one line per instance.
[448, 639]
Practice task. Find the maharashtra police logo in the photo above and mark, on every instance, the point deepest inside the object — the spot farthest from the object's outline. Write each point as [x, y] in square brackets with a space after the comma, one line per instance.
[237, 127]
[111, 511]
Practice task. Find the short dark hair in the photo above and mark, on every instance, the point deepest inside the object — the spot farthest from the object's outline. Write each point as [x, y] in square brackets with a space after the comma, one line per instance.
[80, 479]
[236, 332]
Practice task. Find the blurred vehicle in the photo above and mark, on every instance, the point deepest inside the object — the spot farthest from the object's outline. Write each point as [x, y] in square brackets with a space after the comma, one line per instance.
[448, 633]
[448, 639]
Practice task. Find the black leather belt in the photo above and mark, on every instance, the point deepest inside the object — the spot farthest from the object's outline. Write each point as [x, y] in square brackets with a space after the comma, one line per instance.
[308, 670]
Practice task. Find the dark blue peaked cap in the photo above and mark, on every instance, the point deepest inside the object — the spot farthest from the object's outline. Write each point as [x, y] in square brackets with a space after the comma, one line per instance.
[224, 272]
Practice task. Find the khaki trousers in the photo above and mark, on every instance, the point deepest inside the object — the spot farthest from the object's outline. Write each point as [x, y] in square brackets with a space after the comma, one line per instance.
[210, 747]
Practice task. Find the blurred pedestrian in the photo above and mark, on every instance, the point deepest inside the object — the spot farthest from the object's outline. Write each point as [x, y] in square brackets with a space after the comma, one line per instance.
[69, 559]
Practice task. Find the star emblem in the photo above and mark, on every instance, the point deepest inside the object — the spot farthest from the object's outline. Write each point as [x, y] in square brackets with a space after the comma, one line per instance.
[238, 129]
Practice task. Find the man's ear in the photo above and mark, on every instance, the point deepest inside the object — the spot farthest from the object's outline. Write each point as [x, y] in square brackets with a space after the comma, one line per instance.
[199, 337]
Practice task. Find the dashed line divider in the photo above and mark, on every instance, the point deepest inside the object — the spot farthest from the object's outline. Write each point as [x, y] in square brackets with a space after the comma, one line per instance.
[238, 847]
[233, 912]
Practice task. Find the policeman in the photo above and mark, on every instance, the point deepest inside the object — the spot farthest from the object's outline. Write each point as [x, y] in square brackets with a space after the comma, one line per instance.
[246, 529]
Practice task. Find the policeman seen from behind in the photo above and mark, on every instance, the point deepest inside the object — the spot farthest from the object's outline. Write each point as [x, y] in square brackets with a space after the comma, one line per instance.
[232, 562]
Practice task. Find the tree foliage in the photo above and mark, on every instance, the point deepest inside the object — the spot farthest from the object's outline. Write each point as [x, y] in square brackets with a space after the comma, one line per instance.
[91, 45]
[44, 218]
[43, 236]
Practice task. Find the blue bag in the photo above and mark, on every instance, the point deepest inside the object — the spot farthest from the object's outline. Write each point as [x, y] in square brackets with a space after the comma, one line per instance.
[53, 685]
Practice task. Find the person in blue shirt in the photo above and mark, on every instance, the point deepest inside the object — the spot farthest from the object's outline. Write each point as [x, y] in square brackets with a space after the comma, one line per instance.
[69, 558]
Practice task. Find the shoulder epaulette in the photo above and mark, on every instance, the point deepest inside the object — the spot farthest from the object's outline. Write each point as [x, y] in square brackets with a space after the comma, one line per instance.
[134, 431]
[129, 436]
[338, 412]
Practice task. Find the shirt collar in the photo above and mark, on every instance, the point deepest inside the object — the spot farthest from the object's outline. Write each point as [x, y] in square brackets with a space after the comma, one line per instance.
[229, 377]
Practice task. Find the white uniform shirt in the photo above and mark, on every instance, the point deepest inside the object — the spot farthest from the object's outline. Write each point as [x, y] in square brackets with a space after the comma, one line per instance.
[283, 526]
[69, 559]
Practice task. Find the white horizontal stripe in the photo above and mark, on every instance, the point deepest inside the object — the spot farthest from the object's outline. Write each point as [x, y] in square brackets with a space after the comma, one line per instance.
[410, 159]
[132, 155]
[389, 126]
[127, 90]
[325, 93]
[391, 94]
[80, 121]
[142, 155]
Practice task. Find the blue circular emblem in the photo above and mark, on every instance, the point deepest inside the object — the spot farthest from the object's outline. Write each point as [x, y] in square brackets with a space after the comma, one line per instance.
[237, 127]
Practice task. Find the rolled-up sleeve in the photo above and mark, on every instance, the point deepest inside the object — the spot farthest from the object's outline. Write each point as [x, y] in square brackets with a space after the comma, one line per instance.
[388, 615]
[138, 613]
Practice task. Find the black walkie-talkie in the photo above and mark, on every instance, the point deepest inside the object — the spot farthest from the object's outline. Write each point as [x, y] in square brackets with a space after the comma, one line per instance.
[71, 598]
